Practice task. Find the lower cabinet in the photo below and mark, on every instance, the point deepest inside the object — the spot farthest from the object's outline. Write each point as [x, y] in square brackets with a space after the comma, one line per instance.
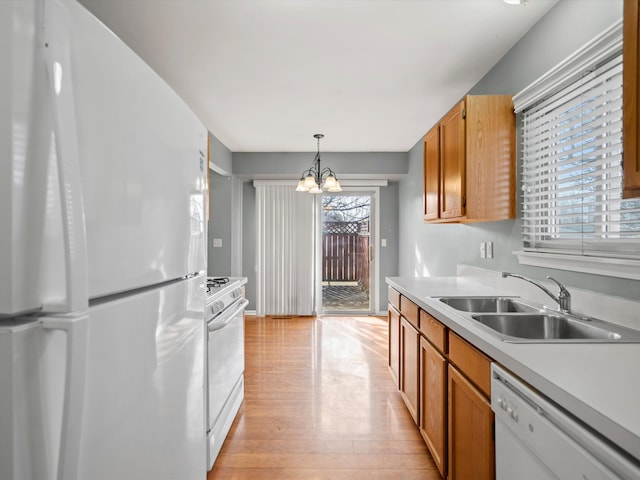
[394, 344]
[409, 365]
[471, 452]
[433, 403]
[445, 383]
[471, 445]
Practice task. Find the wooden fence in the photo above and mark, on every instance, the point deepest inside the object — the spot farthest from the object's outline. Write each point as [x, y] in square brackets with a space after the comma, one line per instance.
[345, 254]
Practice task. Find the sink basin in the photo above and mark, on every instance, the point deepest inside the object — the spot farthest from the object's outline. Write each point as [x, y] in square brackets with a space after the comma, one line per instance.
[549, 327]
[487, 304]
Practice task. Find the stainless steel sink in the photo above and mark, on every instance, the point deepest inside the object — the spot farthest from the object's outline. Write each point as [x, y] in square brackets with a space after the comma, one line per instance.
[487, 304]
[555, 327]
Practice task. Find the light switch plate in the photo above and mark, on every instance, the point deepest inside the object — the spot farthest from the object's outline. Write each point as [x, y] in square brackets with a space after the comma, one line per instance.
[217, 242]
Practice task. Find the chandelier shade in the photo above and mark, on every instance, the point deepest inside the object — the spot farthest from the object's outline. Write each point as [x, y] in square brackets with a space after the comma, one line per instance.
[316, 178]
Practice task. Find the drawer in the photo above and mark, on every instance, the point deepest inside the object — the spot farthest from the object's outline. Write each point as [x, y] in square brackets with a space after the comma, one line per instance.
[435, 331]
[394, 298]
[409, 310]
[471, 362]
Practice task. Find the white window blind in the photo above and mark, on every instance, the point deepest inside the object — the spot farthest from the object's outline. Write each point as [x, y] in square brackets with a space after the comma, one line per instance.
[286, 226]
[572, 170]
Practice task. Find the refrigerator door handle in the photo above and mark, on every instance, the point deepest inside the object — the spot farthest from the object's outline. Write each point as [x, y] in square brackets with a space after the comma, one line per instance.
[57, 53]
[77, 332]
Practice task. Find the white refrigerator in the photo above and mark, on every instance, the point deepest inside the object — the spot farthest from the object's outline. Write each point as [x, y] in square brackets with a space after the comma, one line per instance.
[102, 256]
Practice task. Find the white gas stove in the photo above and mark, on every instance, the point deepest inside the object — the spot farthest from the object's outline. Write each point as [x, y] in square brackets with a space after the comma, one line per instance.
[225, 358]
[222, 292]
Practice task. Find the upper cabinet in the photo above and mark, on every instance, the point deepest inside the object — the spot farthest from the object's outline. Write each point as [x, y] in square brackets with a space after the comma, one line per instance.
[469, 162]
[631, 85]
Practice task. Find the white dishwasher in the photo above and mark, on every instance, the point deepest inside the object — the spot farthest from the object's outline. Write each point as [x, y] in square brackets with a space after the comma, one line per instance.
[536, 440]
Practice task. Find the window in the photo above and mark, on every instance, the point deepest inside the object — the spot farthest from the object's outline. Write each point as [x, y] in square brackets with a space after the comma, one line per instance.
[572, 158]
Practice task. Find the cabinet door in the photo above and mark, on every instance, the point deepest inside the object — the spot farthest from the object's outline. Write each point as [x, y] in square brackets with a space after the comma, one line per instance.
[452, 163]
[394, 343]
[490, 156]
[631, 111]
[433, 403]
[409, 365]
[471, 444]
[431, 199]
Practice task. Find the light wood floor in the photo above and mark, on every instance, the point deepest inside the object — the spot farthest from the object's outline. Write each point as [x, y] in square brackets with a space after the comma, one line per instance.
[320, 403]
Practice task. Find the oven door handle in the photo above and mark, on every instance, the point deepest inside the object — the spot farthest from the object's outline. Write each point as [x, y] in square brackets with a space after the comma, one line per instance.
[218, 324]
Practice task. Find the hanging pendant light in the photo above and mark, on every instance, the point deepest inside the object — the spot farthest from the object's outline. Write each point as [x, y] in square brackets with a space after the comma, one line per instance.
[313, 180]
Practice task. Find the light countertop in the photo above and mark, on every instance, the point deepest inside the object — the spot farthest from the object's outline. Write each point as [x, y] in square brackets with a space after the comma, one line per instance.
[598, 383]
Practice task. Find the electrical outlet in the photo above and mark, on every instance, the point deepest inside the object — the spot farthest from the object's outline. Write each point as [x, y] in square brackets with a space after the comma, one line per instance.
[483, 250]
[489, 249]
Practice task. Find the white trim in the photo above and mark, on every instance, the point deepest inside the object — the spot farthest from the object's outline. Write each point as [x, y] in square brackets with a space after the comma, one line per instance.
[344, 183]
[374, 281]
[364, 183]
[597, 50]
[317, 255]
[262, 183]
[219, 170]
[374, 288]
[610, 267]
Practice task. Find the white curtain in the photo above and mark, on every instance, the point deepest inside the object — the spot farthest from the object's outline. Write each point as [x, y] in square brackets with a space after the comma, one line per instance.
[286, 225]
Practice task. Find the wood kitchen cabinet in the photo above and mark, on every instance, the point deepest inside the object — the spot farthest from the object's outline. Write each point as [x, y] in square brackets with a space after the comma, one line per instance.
[433, 403]
[631, 98]
[453, 197]
[394, 343]
[394, 334]
[404, 344]
[469, 162]
[433, 388]
[445, 383]
[409, 365]
[471, 445]
[431, 198]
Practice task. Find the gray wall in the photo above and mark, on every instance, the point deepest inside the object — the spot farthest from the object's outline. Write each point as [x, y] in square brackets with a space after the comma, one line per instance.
[225, 213]
[373, 165]
[220, 225]
[232, 204]
[388, 207]
[220, 156]
[436, 250]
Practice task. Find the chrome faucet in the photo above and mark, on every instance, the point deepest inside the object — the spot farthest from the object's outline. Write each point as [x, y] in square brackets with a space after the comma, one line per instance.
[563, 299]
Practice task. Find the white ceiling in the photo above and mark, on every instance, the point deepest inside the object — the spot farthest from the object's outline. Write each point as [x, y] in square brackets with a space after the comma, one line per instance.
[372, 75]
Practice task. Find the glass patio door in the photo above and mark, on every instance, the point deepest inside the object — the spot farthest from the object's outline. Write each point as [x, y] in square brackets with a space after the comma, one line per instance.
[346, 258]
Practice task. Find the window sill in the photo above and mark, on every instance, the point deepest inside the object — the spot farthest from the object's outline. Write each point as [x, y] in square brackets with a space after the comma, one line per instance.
[610, 267]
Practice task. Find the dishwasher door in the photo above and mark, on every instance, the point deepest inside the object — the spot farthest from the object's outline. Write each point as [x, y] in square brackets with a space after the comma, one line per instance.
[536, 440]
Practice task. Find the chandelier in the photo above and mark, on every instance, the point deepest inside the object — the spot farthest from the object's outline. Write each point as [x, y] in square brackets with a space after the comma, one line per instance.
[312, 178]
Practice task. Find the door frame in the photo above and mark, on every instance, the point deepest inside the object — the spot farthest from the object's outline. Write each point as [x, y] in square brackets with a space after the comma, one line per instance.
[374, 241]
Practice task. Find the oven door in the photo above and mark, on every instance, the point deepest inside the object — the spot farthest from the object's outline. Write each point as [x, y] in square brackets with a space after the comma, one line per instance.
[225, 365]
